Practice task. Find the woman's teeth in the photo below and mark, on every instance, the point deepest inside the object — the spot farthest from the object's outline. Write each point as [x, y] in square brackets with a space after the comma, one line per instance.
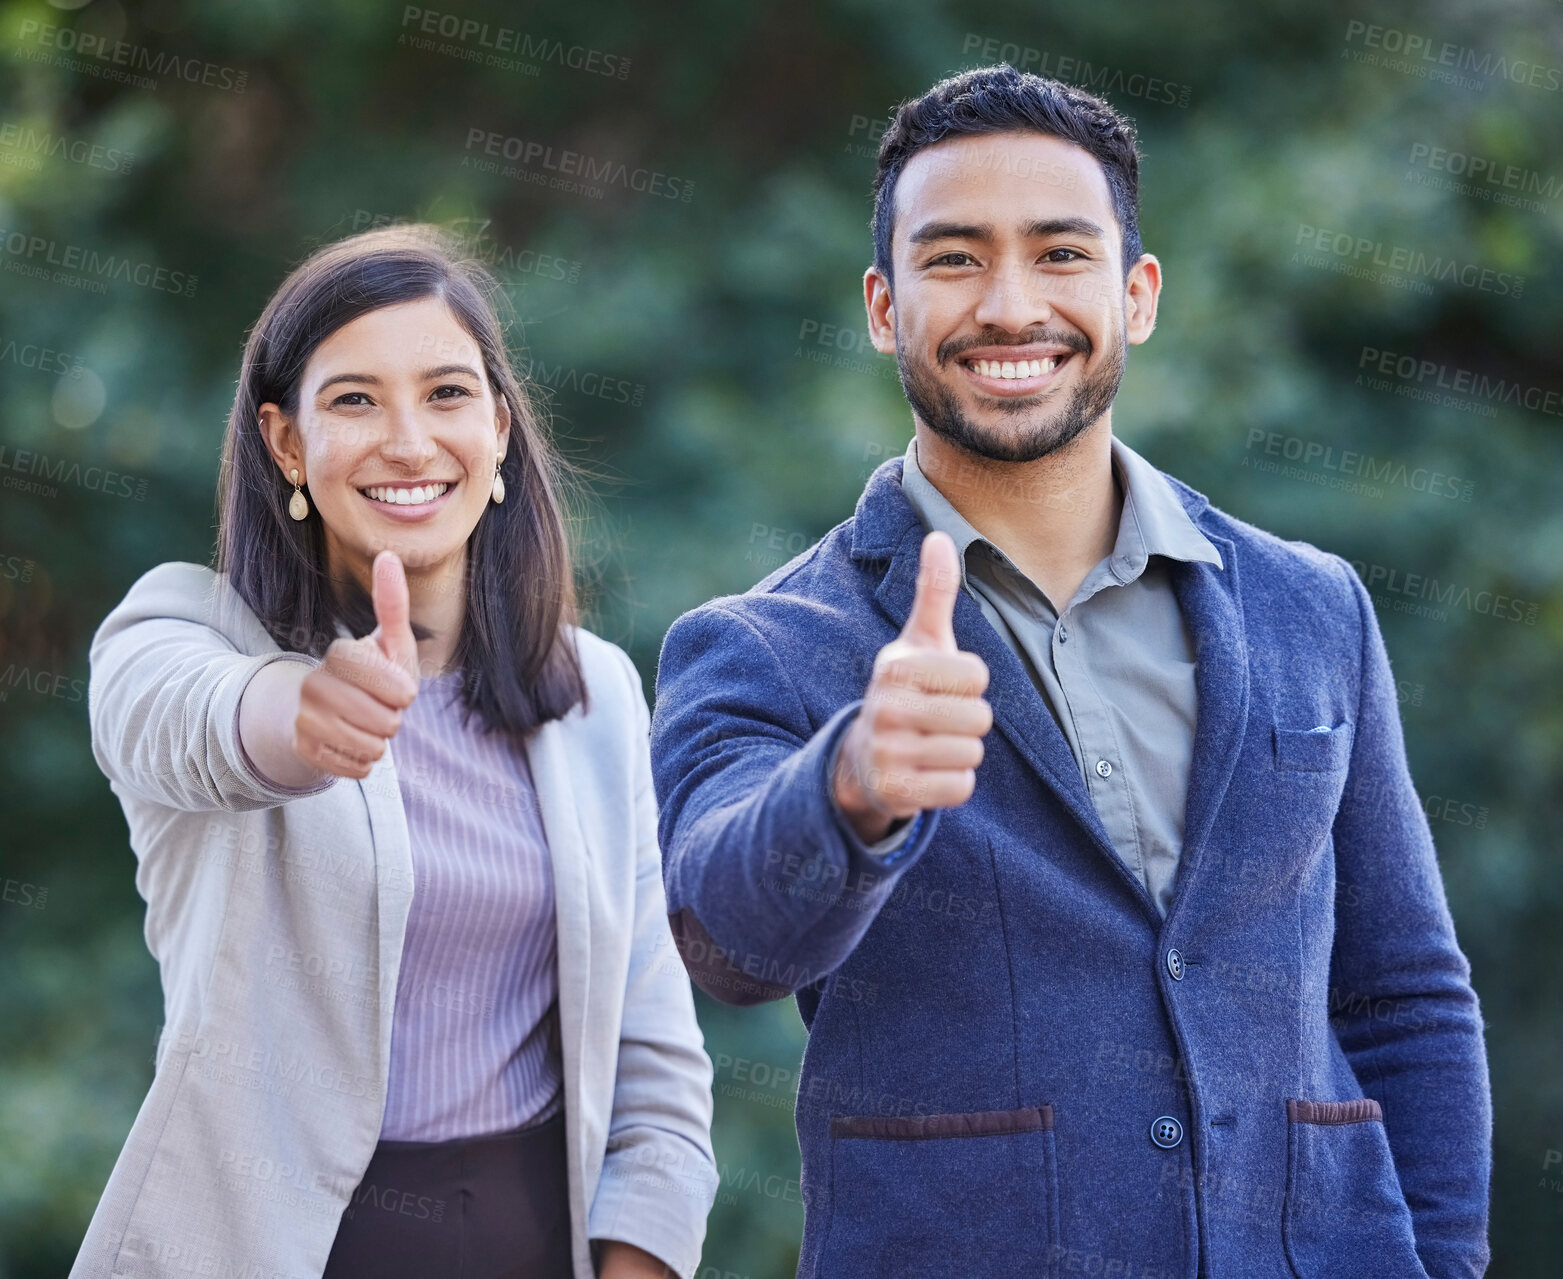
[415, 496]
[1014, 368]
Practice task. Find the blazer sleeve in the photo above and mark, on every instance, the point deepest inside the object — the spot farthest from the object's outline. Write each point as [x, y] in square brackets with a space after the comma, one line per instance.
[769, 889]
[1401, 998]
[163, 693]
[659, 1176]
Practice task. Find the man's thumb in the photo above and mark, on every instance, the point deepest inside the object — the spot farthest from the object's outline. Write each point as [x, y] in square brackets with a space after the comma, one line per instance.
[393, 612]
[932, 620]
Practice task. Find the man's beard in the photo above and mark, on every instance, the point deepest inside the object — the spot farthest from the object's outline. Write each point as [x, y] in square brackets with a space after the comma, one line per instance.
[1042, 431]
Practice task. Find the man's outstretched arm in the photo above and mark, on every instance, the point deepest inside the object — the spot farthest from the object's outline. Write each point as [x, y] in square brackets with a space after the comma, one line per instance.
[768, 887]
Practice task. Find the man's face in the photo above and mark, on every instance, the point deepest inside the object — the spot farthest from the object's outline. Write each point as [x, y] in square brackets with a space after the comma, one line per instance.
[1011, 317]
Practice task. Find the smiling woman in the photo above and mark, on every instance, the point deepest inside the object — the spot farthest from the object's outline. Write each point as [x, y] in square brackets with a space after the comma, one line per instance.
[411, 388]
[426, 989]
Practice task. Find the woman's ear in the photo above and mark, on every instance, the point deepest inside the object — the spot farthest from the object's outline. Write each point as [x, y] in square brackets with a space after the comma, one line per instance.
[281, 440]
[502, 422]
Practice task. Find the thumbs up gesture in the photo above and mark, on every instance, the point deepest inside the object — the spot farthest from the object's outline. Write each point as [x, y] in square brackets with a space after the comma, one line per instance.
[917, 739]
[352, 704]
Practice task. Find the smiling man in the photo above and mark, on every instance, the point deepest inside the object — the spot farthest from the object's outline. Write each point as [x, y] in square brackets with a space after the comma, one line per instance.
[1074, 811]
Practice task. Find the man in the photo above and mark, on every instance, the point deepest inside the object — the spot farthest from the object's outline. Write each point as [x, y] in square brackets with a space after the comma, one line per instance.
[1156, 978]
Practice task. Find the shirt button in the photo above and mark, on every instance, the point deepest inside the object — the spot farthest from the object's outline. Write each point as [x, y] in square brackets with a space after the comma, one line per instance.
[1103, 768]
[1166, 1132]
[1063, 635]
[1175, 963]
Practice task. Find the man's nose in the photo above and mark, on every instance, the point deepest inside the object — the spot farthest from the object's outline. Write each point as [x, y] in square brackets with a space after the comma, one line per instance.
[1013, 301]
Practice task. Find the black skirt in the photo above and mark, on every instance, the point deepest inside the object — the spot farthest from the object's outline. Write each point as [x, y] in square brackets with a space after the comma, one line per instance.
[493, 1207]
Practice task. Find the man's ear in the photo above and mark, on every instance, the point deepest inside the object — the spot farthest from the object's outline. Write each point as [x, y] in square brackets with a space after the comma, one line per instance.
[1141, 294]
[881, 311]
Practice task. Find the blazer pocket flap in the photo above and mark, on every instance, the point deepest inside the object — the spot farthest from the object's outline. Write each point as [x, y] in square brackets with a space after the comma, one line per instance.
[986, 1123]
[1313, 750]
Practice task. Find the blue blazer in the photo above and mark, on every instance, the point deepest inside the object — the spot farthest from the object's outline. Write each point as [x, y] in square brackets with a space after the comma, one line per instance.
[1015, 1065]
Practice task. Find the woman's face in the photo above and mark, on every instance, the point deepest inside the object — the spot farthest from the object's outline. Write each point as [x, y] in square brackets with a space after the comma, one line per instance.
[396, 438]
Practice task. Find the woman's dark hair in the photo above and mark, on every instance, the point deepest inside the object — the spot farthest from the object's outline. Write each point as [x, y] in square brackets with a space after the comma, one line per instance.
[1000, 99]
[519, 662]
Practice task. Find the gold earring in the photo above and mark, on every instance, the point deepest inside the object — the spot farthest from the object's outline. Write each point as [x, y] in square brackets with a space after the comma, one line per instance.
[499, 483]
[298, 506]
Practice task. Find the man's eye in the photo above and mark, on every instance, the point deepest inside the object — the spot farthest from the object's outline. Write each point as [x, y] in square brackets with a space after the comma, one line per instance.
[951, 259]
[1051, 255]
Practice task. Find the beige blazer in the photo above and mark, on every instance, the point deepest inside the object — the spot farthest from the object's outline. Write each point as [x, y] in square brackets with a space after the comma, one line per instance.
[277, 923]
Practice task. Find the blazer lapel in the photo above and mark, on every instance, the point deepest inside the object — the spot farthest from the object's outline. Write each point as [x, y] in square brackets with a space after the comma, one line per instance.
[549, 761]
[885, 525]
[1209, 599]
[1019, 712]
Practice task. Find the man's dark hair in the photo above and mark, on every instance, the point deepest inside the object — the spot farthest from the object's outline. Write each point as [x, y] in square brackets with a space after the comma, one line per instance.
[1000, 99]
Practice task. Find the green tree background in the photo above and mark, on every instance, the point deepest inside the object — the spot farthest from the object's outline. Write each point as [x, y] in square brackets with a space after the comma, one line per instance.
[706, 357]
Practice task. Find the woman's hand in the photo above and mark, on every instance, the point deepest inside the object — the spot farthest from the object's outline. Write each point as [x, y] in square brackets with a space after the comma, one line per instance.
[352, 704]
[620, 1260]
[298, 726]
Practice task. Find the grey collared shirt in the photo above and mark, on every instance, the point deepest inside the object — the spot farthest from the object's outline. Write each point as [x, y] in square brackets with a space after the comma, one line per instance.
[1116, 666]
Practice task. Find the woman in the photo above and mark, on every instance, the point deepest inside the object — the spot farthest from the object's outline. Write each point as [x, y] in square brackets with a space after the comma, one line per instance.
[422, 1016]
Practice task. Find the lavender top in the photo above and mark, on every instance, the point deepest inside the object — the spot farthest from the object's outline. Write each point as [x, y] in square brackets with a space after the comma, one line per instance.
[474, 1040]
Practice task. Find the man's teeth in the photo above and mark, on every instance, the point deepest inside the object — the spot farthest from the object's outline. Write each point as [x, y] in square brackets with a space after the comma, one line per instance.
[1015, 368]
[415, 496]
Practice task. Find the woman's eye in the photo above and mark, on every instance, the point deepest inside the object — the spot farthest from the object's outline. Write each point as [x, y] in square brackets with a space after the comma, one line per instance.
[439, 392]
[351, 399]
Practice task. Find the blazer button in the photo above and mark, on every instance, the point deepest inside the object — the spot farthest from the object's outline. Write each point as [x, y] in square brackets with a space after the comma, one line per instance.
[1175, 963]
[1166, 1132]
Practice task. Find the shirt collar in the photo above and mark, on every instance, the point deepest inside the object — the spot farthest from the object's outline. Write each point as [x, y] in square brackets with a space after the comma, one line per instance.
[1153, 521]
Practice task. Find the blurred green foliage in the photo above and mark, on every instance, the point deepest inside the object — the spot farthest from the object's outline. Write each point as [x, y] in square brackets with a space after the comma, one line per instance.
[729, 427]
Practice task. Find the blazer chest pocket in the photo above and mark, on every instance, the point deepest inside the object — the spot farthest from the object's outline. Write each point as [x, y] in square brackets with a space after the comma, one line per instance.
[919, 1197]
[1313, 750]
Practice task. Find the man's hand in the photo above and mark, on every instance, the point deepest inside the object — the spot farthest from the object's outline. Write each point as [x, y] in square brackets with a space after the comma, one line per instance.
[352, 704]
[917, 740]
